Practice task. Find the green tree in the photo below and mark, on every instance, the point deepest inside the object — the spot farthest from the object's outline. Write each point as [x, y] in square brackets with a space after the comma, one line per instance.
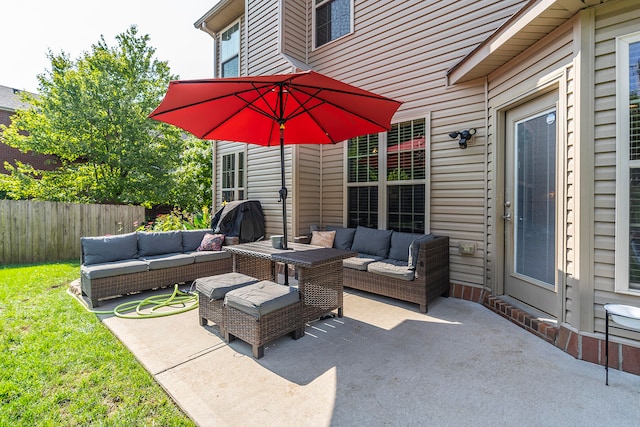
[92, 114]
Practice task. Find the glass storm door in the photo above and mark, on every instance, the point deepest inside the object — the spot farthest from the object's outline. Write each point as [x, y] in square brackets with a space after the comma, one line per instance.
[530, 204]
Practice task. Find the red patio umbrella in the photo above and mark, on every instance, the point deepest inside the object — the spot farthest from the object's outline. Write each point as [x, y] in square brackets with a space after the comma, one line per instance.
[309, 107]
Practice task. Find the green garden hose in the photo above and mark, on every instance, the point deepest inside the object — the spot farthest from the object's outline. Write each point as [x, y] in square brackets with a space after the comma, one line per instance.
[178, 301]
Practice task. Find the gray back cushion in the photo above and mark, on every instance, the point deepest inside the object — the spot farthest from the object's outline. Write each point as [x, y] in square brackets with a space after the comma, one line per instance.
[159, 242]
[96, 250]
[414, 249]
[400, 243]
[191, 239]
[371, 241]
[343, 238]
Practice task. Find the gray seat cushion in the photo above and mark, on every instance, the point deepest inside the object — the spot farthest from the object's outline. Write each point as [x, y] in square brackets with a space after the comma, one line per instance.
[111, 269]
[158, 262]
[216, 287]
[191, 239]
[159, 242]
[261, 298]
[360, 262]
[206, 256]
[371, 241]
[392, 268]
[98, 250]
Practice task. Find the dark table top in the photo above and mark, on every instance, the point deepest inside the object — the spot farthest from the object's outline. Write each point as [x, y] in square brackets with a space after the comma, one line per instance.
[297, 254]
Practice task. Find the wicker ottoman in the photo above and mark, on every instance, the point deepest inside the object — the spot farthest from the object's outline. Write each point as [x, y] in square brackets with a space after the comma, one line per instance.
[260, 313]
[211, 292]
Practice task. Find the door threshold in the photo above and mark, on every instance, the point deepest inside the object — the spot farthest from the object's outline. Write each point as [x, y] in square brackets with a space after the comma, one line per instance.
[534, 312]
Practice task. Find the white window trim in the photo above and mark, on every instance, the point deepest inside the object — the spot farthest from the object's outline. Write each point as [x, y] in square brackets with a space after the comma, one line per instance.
[236, 189]
[383, 183]
[623, 164]
[223, 59]
[313, 24]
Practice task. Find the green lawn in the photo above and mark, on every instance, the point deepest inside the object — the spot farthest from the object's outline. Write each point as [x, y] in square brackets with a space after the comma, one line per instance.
[60, 366]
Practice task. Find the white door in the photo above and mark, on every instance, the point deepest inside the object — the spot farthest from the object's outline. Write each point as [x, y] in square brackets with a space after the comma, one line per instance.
[530, 204]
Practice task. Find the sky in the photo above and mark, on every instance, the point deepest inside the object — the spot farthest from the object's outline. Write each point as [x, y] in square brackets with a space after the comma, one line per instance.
[30, 28]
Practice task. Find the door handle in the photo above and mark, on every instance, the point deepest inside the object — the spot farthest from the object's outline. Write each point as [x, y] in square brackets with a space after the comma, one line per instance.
[506, 217]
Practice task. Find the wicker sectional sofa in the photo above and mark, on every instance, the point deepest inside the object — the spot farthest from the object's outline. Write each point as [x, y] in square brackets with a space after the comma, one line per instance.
[406, 266]
[120, 264]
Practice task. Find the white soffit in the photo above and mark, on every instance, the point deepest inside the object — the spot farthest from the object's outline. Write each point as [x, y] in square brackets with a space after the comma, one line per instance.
[221, 15]
[534, 21]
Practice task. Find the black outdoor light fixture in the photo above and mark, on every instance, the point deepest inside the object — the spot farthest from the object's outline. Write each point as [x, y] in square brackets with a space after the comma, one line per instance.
[465, 136]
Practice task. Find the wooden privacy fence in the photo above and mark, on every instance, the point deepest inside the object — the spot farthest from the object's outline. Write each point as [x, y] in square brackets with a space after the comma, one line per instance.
[50, 231]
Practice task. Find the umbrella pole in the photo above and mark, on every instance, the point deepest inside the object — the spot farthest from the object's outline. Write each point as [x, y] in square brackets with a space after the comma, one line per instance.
[283, 199]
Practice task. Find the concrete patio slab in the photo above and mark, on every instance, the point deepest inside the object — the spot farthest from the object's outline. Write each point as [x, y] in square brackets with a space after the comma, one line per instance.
[383, 363]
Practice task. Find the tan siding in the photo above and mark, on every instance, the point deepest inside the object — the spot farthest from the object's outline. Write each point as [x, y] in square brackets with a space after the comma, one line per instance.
[263, 54]
[332, 184]
[263, 184]
[611, 20]
[294, 40]
[307, 188]
[415, 43]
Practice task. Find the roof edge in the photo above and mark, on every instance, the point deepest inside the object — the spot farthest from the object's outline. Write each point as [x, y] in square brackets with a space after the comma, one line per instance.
[459, 73]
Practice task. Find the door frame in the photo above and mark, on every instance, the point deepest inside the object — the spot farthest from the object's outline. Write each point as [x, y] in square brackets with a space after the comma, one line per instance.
[496, 208]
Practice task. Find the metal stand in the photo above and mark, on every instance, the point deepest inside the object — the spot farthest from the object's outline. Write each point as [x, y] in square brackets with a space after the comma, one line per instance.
[606, 348]
[628, 317]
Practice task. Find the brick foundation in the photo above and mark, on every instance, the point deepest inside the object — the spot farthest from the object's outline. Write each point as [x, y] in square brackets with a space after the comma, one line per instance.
[583, 347]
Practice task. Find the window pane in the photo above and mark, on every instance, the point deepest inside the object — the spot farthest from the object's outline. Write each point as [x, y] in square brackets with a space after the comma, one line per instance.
[634, 101]
[333, 20]
[406, 151]
[228, 177]
[231, 68]
[241, 169]
[634, 229]
[535, 198]
[230, 42]
[363, 207]
[634, 173]
[406, 208]
[230, 51]
[362, 159]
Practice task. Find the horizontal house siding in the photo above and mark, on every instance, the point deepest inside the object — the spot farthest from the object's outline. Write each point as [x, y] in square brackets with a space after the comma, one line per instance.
[333, 180]
[403, 50]
[294, 31]
[263, 38]
[264, 182]
[611, 21]
[307, 188]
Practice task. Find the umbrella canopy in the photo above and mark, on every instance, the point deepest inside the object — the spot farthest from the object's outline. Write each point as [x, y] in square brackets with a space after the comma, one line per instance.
[296, 108]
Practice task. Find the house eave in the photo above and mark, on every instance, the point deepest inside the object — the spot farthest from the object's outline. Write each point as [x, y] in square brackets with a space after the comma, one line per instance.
[220, 16]
[529, 25]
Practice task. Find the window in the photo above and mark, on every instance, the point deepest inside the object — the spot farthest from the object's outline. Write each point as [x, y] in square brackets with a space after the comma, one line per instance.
[628, 164]
[230, 51]
[362, 158]
[233, 171]
[388, 185]
[406, 177]
[333, 19]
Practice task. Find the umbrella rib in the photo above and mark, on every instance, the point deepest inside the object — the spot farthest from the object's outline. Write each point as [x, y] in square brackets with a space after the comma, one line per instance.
[301, 109]
[247, 104]
[204, 101]
[299, 87]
